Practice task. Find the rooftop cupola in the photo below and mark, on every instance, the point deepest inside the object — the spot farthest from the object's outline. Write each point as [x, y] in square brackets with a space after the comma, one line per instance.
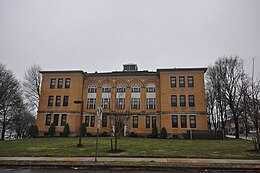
[130, 67]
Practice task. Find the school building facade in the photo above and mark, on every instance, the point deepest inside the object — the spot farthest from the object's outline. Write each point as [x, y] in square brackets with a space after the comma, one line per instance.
[173, 98]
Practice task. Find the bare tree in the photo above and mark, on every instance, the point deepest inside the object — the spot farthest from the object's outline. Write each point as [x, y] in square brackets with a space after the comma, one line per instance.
[233, 85]
[32, 85]
[10, 95]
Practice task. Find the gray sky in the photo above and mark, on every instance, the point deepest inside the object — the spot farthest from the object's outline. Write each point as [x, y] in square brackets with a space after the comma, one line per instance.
[101, 35]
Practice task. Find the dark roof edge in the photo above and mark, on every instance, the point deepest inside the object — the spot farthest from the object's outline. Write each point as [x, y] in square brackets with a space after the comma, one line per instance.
[204, 69]
[62, 71]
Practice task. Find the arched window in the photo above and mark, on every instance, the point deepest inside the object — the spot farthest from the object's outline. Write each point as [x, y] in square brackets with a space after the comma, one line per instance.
[106, 88]
[150, 88]
[120, 88]
[92, 88]
[135, 88]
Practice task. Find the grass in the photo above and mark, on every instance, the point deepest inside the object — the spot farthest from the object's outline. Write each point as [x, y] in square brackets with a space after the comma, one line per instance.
[131, 147]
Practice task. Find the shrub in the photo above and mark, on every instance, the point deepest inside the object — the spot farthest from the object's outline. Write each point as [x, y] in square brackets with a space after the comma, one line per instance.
[133, 134]
[83, 129]
[33, 131]
[164, 133]
[154, 132]
[104, 134]
[52, 129]
[66, 130]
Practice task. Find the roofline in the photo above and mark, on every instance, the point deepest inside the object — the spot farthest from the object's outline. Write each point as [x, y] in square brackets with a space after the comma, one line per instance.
[62, 71]
[204, 69]
[123, 73]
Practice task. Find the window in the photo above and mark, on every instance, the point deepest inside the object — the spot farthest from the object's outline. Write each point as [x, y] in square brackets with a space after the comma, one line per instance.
[87, 121]
[65, 100]
[106, 103]
[147, 122]
[120, 88]
[135, 121]
[50, 101]
[106, 88]
[182, 100]
[91, 103]
[135, 103]
[120, 103]
[175, 121]
[104, 121]
[173, 81]
[67, 83]
[183, 121]
[92, 88]
[60, 82]
[150, 88]
[182, 81]
[174, 100]
[136, 88]
[190, 81]
[58, 99]
[92, 124]
[48, 120]
[192, 121]
[153, 121]
[150, 103]
[52, 84]
[63, 119]
[56, 119]
[191, 101]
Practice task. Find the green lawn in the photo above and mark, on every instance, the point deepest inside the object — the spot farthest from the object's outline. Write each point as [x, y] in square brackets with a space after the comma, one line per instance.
[132, 147]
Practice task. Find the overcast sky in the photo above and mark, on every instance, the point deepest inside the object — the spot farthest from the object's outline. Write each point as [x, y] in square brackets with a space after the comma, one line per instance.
[101, 35]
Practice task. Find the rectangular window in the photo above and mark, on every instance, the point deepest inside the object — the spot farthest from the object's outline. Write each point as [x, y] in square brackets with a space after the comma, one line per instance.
[63, 119]
[52, 84]
[174, 100]
[65, 100]
[120, 103]
[48, 120]
[135, 103]
[190, 81]
[92, 123]
[91, 103]
[150, 89]
[87, 121]
[175, 121]
[50, 101]
[191, 101]
[67, 83]
[104, 121]
[60, 82]
[173, 81]
[182, 81]
[182, 100]
[192, 121]
[120, 89]
[135, 121]
[183, 121]
[147, 122]
[106, 103]
[153, 121]
[106, 90]
[150, 103]
[56, 119]
[58, 100]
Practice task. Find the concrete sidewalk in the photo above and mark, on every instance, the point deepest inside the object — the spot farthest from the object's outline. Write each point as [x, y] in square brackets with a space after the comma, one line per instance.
[130, 162]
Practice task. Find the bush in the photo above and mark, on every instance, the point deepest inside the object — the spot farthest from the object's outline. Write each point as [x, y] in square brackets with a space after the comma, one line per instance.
[104, 134]
[164, 133]
[52, 129]
[66, 130]
[133, 134]
[33, 131]
[154, 132]
[83, 129]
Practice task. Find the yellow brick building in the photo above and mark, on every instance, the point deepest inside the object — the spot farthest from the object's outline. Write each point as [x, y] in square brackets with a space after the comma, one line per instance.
[136, 101]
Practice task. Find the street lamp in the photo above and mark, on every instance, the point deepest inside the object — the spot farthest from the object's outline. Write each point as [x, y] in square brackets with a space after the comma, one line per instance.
[81, 115]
